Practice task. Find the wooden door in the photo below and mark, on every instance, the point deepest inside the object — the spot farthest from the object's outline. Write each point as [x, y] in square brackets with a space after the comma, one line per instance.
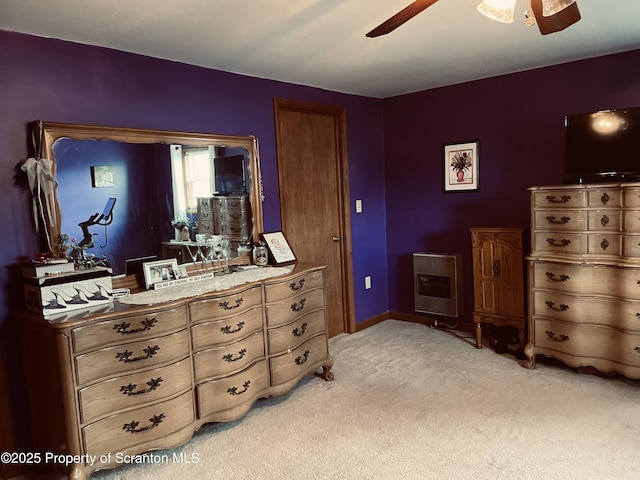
[314, 198]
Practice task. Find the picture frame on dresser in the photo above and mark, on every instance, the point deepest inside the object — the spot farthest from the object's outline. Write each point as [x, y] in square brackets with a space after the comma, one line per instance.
[460, 166]
[160, 271]
[280, 252]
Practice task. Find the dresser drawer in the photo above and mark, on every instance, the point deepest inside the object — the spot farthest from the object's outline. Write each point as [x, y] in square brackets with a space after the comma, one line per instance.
[131, 356]
[223, 397]
[560, 220]
[288, 337]
[559, 198]
[223, 360]
[292, 287]
[620, 314]
[605, 197]
[631, 245]
[631, 221]
[231, 329]
[560, 243]
[132, 390]
[631, 198]
[605, 244]
[124, 329]
[287, 311]
[589, 342]
[140, 426]
[225, 305]
[294, 364]
[605, 220]
[621, 283]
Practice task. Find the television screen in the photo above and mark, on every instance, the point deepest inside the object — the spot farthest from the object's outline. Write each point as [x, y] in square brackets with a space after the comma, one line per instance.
[230, 178]
[602, 146]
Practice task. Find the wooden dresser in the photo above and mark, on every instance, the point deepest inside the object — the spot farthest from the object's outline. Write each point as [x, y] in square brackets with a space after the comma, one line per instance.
[498, 279]
[228, 215]
[125, 380]
[584, 272]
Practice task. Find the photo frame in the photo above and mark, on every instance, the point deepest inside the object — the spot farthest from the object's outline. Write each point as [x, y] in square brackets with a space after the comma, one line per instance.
[103, 176]
[460, 166]
[160, 271]
[280, 252]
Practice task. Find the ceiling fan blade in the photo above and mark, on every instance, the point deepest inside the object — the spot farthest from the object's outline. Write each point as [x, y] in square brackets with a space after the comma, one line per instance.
[557, 22]
[401, 17]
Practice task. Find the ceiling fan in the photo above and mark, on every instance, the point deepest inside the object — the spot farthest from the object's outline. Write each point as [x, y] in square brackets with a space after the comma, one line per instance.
[550, 15]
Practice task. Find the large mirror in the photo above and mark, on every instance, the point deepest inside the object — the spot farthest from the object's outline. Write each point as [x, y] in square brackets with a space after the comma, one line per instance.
[145, 172]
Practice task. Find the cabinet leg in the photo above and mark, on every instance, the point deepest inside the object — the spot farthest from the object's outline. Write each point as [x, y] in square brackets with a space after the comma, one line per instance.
[478, 335]
[529, 353]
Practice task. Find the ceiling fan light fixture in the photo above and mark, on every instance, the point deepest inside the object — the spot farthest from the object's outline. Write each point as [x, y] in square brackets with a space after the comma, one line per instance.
[551, 7]
[500, 10]
[563, 18]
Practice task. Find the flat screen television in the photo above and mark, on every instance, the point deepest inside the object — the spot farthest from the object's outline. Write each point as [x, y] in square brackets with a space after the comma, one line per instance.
[602, 146]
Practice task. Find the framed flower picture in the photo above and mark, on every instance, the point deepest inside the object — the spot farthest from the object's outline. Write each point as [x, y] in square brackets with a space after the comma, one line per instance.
[460, 166]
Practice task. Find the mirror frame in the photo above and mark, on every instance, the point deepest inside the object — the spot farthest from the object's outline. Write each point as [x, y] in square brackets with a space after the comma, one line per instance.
[50, 132]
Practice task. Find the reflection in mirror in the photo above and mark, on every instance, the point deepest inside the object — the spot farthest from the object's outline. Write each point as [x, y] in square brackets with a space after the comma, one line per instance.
[156, 177]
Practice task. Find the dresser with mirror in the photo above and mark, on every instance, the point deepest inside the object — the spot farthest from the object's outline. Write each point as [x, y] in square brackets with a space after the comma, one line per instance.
[144, 372]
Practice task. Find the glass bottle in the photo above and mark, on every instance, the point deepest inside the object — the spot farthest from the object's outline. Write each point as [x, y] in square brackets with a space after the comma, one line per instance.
[260, 255]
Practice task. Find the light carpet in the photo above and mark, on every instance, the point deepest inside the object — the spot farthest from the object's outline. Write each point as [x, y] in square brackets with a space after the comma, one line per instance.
[410, 402]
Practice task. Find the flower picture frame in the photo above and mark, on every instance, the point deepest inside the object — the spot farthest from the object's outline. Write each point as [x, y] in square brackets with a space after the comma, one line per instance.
[460, 166]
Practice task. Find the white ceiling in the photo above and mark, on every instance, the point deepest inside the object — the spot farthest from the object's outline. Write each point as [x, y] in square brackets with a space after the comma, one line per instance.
[322, 43]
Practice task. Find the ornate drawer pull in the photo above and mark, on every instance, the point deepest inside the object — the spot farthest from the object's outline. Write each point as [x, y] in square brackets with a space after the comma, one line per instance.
[229, 356]
[552, 336]
[302, 359]
[126, 355]
[604, 244]
[604, 198]
[133, 426]
[562, 221]
[233, 391]
[147, 324]
[562, 308]
[297, 285]
[131, 388]
[604, 220]
[563, 243]
[552, 276]
[225, 305]
[299, 332]
[563, 199]
[227, 329]
[297, 307]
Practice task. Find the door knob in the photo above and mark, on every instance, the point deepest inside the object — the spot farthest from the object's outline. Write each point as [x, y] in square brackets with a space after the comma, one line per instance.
[336, 239]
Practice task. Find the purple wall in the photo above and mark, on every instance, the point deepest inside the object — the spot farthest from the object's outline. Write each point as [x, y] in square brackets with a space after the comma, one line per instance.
[144, 200]
[519, 122]
[60, 81]
[517, 119]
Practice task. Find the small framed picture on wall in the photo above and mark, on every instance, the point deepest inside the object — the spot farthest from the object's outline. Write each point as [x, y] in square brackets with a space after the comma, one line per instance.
[103, 176]
[460, 166]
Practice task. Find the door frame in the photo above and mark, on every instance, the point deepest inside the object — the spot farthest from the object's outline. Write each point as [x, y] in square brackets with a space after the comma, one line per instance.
[340, 120]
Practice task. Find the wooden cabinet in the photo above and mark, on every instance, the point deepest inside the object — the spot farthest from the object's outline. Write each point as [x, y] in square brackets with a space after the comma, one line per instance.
[498, 279]
[128, 379]
[584, 272]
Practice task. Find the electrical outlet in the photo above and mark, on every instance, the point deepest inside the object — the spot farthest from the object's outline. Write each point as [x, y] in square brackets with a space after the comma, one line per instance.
[367, 282]
[358, 206]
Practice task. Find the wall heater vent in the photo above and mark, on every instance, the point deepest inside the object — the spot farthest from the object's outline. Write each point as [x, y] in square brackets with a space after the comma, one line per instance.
[437, 279]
